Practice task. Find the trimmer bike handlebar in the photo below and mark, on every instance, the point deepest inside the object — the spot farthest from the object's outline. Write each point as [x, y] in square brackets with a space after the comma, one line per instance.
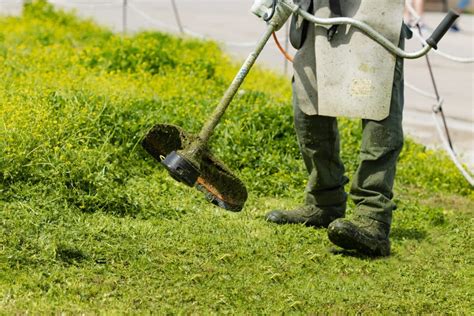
[442, 28]
[376, 36]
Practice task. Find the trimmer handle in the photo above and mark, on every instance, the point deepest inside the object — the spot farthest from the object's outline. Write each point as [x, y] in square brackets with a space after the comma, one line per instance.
[442, 28]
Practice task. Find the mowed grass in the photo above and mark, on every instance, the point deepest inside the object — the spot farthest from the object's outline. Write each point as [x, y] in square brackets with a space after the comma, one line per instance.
[90, 223]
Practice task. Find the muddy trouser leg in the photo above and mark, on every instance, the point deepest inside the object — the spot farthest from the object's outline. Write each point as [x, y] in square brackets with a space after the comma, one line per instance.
[318, 138]
[382, 142]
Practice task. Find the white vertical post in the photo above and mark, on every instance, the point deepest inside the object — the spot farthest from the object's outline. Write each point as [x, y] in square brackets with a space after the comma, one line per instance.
[176, 15]
[124, 17]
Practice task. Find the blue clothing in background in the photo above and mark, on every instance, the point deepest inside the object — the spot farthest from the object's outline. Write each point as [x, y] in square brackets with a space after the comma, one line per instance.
[463, 4]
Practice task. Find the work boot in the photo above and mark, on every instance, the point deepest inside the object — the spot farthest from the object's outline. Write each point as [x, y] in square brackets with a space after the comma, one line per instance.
[310, 215]
[363, 234]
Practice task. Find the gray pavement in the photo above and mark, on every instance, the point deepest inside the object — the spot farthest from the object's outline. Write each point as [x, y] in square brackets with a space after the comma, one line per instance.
[231, 23]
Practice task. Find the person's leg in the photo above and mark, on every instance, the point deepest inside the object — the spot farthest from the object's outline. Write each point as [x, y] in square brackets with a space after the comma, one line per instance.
[373, 181]
[406, 12]
[415, 18]
[382, 142]
[419, 6]
[318, 138]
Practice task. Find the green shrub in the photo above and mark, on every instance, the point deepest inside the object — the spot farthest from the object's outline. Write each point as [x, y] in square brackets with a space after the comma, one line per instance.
[76, 100]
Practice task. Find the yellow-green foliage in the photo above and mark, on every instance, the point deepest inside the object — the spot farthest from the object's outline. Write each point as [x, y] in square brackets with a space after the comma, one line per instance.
[75, 101]
[76, 98]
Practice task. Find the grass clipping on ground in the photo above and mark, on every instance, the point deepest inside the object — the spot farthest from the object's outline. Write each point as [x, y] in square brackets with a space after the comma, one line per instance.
[90, 222]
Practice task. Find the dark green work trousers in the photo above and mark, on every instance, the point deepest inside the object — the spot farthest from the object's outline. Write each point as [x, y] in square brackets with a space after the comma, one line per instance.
[372, 184]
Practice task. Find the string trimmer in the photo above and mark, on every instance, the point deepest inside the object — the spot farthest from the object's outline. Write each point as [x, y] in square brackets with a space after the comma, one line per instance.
[188, 158]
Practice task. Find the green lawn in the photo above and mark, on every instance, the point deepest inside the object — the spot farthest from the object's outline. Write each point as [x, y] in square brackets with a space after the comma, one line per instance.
[90, 223]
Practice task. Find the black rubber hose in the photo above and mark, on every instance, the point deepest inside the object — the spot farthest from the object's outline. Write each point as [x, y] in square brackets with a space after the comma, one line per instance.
[442, 28]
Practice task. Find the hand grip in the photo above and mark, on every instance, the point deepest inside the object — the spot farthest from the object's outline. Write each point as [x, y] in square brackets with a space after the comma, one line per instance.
[442, 28]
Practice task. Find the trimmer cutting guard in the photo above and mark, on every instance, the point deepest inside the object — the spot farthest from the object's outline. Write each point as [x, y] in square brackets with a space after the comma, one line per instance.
[215, 180]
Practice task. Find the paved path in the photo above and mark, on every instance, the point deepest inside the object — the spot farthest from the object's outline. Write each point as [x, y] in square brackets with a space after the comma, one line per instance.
[231, 23]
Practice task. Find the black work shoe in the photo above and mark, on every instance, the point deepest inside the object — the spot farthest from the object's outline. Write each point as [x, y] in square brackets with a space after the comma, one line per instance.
[310, 215]
[363, 234]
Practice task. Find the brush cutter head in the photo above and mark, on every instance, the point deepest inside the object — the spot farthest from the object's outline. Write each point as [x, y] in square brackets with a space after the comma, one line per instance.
[220, 187]
[181, 169]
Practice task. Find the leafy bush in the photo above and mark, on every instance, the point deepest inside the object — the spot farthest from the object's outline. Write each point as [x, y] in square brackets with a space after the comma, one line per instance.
[154, 53]
[76, 100]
